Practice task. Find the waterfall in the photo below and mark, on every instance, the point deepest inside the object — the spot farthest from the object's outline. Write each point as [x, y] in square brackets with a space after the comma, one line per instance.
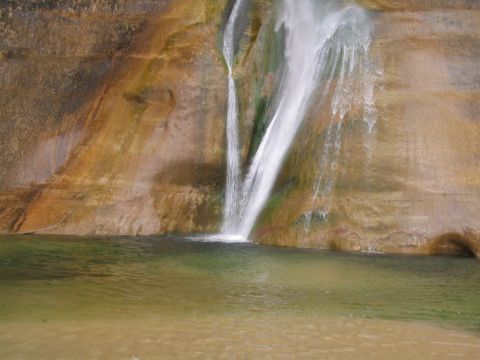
[325, 45]
[354, 88]
[232, 191]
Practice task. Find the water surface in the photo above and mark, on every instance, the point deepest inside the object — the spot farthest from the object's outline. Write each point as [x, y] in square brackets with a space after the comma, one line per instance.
[61, 297]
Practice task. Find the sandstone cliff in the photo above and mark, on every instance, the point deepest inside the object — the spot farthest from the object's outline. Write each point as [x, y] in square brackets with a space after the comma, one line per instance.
[112, 117]
[412, 184]
[112, 121]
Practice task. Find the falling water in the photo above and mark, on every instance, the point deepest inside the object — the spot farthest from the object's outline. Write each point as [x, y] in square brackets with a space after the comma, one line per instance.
[233, 147]
[354, 88]
[325, 46]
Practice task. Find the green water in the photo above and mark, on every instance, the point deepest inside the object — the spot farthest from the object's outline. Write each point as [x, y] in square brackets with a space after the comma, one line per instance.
[46, 279]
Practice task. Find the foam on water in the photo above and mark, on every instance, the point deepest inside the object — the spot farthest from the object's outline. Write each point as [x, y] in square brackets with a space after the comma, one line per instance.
[226, 238]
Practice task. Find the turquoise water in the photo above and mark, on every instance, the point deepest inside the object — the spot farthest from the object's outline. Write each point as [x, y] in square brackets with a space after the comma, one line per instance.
[64, 278]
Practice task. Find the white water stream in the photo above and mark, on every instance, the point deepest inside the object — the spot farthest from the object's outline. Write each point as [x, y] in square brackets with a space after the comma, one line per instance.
[233, 147]
[326, 47]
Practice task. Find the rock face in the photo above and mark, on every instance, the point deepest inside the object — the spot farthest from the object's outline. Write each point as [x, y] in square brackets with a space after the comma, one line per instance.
[112, 117]
[414, 181]
[112, 121]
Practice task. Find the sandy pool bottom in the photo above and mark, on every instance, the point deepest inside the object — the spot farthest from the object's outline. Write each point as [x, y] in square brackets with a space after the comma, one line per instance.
[235, 337]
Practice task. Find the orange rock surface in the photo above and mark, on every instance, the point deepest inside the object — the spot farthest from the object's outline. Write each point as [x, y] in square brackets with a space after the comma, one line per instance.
[112, 122]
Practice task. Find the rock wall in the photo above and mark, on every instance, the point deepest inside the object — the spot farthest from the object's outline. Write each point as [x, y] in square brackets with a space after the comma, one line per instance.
[112, 122]
[414, 181]
[112, 117]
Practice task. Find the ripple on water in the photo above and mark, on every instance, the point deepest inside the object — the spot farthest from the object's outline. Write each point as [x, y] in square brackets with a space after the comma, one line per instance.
[195, 297]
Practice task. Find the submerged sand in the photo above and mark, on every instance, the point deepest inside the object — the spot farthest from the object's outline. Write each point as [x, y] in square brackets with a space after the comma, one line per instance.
[235, 337]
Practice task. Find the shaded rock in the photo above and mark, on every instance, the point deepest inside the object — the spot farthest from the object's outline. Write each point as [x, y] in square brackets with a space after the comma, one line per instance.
[456, 244]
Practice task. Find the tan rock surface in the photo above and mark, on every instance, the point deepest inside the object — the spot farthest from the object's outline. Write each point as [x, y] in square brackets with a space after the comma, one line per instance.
[417, 176]
[144, 154]
[112, 122]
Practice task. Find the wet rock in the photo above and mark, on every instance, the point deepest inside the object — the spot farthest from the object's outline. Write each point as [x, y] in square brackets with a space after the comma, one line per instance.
[416, 176]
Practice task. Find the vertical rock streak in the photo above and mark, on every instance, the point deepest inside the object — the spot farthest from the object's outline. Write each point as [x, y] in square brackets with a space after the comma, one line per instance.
[326, 51]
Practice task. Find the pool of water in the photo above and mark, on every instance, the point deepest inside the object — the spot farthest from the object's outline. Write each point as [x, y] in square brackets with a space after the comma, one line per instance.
[150, 298]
